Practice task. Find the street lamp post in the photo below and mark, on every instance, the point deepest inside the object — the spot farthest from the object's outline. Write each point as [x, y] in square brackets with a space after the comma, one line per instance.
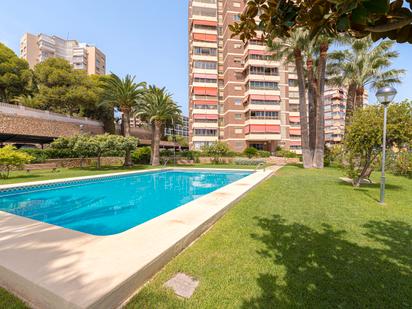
[385, 96]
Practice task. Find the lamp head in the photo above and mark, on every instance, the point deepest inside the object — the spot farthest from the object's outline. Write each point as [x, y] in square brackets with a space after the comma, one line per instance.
[386, 95]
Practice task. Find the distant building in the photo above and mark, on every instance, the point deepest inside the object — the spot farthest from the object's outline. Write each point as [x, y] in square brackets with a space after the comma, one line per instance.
[335, 114]
[37, 48]
[180, 129]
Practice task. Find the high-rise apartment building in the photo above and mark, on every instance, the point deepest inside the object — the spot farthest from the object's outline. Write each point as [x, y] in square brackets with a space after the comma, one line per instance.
[335, 114]
[237, 94]
[37, 48]
[181, 129]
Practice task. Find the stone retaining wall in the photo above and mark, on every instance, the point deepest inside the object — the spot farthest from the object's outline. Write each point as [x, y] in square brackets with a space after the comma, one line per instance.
[76, 162]
[14, 124]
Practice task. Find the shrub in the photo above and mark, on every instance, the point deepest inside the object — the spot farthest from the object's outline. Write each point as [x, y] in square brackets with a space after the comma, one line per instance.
[166, 153]
[264, 154]
[402, 164]
[141, 155]
[10, 158]
[244, 161]
[39, 155]
[286, 154]
[363, 139]
[216, 151]
[191, 155]
[334, 156]
[251, 152]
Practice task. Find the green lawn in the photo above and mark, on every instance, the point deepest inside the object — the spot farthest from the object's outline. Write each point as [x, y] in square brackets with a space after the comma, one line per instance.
[8, 301]
[302, 239]
[23, 176]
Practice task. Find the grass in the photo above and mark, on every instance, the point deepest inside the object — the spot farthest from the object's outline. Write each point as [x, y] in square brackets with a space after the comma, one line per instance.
[38, 175]
[302, 239]
[8, 301]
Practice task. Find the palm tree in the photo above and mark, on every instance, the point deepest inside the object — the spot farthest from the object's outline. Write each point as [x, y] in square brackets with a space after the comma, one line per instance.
[295, 49]
[292, 49]
[363, 65]
[123, 94]
[157, 108]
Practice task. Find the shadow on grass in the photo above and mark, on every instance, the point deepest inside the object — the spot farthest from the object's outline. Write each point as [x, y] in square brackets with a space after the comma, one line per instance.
[321, 269]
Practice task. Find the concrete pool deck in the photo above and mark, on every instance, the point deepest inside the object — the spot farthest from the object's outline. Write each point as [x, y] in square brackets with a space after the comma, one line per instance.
[52, 267]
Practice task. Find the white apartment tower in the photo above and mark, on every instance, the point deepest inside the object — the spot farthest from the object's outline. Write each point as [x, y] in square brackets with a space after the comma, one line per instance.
[37, 48]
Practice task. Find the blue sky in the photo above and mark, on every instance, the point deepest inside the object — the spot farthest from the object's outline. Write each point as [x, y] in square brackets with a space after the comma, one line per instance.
[144, 38]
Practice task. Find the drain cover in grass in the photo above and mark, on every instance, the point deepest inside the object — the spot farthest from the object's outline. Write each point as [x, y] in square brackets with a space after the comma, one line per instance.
[183, 285]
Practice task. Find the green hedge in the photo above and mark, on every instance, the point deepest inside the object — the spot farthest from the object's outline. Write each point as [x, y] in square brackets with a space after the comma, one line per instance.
[141, 155]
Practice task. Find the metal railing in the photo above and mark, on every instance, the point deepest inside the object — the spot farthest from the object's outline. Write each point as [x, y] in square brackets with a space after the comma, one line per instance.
[261, 165]
[20, 110]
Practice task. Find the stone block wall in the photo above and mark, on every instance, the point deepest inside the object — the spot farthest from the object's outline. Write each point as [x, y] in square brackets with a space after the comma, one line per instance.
[18, 125]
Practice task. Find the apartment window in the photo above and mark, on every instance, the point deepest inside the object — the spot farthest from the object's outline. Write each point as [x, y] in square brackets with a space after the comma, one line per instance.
[205, 120]
[293, 147]
[260, 57]
[236, 17]
[204, 97]
[264, 115]
[238, 116]
[238, 88]
[238, 131]
[238, 101]
[237, 45]
[263, 71]
[205, 27]
[237, 60]
[207, 12]
[205, 51]
[293, 82]
[204, 106]
[264, 102]
[205, 80]
[257, 146]
[263, 85]
[293, 107]
[206, 1]
[206, 65]
[205, 132]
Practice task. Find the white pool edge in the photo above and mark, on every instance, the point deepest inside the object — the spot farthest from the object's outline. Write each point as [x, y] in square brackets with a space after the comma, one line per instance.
[44, 264]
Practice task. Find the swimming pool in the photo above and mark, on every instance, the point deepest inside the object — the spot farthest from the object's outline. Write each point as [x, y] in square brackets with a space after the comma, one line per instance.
[113, 204]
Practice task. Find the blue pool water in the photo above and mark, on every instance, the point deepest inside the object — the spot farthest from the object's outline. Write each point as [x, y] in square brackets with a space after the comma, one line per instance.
[114, 204]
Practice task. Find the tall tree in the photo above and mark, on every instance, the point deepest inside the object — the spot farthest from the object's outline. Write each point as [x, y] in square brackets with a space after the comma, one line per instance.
[124, 94]
[157, 108]
[363, 65]
[299, 49]
[61, 88]
[357, 18]
[15, 76]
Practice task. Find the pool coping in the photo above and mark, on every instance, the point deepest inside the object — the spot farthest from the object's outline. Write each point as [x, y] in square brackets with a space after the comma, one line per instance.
[52, 267]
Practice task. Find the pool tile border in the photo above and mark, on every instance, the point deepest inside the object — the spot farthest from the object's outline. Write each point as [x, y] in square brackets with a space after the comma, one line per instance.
[53, 267]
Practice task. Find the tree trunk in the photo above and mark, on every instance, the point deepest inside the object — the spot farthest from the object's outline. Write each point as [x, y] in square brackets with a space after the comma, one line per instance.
[350, 105]
[98, 163]
[126, 133]
[156, 144]
[312, 107]
[320, 108]
[152, 142]
[307, 158]
[360, 91]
